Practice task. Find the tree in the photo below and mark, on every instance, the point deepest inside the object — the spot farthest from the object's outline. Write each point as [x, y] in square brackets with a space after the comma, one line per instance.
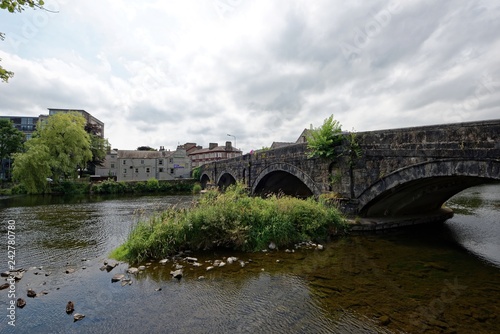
[322, 141]
[11, 140]
[19, 5]
[32, 168]
[59, 146]
[15, 6]
[99, 146]
[145, 148]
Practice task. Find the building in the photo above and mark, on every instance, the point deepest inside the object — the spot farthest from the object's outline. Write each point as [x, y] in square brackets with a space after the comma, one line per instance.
[94, 126]
[25, 124]
[214, 152]
[134, 165]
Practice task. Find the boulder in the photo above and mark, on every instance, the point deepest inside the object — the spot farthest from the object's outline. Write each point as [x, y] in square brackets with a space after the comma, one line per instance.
[117, 277]
[133, 270]
[21, 303]
[176, 274]
[70, 307]
[31, 293]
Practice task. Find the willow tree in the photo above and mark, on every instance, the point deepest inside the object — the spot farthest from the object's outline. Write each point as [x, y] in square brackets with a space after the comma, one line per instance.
[59, 147]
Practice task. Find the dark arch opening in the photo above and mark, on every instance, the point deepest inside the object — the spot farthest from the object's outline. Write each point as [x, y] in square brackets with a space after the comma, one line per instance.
[204, 181]
[281, 182]
[225, 181]
[419, 196]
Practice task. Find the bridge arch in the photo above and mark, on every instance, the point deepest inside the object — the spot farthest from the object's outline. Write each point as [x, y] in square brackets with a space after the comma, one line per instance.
[287, 179]
[204, 180]
[225, 180]
[424, 187]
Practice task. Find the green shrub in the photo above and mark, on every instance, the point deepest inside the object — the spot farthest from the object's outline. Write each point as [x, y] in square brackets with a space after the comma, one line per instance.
[231, 220]
[196, 188]
[152, 185]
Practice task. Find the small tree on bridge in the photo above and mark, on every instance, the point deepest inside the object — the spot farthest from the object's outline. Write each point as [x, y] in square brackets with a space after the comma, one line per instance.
[322, 141]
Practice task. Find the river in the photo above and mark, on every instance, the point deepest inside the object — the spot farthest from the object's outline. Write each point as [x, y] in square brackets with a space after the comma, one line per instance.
[435, 279]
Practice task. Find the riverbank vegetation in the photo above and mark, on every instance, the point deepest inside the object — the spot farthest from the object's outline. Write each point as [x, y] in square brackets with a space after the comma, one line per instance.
[84, 186]
[232, 220]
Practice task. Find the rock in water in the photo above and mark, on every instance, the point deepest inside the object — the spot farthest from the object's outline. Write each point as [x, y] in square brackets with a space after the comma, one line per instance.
[117, 277]
[4, 286]
[70, 307]
[110, 266]
[176, 274]
[21, 303]
[31, 293]
[133, 270]
[78, 316]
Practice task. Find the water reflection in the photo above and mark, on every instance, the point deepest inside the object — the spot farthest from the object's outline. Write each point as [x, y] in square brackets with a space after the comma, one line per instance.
[477, 229]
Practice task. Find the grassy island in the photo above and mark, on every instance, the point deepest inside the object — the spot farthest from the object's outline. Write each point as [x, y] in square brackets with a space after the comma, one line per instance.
[231, 219]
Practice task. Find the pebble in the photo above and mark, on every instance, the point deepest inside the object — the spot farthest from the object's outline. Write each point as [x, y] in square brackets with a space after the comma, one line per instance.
[78, 317]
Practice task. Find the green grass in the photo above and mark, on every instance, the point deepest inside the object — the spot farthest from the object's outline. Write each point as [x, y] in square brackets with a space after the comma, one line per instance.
[231, 220]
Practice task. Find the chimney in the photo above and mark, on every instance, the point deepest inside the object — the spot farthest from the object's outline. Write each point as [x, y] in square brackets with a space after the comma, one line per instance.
[229, 146]
[162, 148]
[211, 146]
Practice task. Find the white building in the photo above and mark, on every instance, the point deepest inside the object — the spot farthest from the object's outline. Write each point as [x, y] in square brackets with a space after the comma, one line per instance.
[133, 165]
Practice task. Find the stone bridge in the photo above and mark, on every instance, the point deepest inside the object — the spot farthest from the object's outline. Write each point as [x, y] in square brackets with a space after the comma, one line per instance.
[407, 172]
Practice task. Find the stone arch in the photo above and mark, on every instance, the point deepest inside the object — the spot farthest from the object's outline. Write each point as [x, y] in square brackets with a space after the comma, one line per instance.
[424, 187]
[204, 180]
[225, 180]
[269, 176]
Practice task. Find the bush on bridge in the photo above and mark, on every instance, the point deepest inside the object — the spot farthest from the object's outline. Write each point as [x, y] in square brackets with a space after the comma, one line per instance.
[323, 140]
[231, 220]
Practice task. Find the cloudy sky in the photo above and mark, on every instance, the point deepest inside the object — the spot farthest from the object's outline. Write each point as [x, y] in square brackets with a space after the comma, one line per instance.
[162, 73]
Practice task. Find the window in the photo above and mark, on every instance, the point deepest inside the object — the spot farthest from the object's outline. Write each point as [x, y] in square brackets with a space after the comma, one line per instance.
[137, 170]
[147, 169]
[160, 170]
[124, 171]
[124, 162]
[171, 160]
[171, 171]
[142, 162]
[160, 162]
[112, 165]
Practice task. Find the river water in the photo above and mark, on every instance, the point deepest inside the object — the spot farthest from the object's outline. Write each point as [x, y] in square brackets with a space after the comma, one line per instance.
[435, 279]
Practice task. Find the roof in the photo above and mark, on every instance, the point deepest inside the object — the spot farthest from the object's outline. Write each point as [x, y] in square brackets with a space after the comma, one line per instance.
[134, 154]
[215, 149]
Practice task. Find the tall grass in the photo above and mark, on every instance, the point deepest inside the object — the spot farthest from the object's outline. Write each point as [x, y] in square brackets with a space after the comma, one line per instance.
[231, 220]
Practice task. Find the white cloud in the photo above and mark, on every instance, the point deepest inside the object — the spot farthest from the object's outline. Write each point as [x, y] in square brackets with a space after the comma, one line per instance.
[169, 72]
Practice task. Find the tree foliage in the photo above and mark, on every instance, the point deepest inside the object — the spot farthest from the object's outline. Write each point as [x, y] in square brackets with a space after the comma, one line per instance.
[58, 148]
[4, 74]
[145, 148]
[11, 139]
[321, 141]
[15, 6]
[19, 5]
